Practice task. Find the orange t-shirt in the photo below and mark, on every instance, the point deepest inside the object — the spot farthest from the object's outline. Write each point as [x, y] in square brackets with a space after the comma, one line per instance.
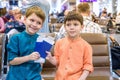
[72, 56]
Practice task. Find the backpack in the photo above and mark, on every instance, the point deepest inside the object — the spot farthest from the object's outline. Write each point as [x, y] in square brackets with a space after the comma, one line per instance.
[115, 55]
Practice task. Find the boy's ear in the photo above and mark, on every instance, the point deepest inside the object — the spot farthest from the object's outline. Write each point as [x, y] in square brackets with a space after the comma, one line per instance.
[24, 18]
[89, 12]
[82, 26]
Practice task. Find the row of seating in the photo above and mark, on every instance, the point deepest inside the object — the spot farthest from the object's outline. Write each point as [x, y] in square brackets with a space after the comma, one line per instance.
[101, 58]
[55, 27]
[105, 25]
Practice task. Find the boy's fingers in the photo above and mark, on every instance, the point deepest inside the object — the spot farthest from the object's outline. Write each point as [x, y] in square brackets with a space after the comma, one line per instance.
[48, 52]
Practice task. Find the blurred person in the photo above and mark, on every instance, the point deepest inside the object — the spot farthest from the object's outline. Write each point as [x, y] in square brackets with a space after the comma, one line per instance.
[72, 54]
[5, 16]
[102, 11]
[103, 15]
[94, 19]
[16, 25]
[45, 7]
[61, 19]
[89, 25]
[8, 17]
[109, 16]
[117, 20]
[21, 46]
[62, 31]
[2, 25]
[111, 22]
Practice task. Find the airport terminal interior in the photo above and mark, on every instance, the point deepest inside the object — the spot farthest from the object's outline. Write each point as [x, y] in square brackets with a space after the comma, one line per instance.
[105, 45]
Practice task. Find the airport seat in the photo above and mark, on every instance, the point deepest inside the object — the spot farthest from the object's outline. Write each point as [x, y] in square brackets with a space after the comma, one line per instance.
[53, 20]
[101, 59]
[55, 27]
[2, 51]
[101, 56]
[103, 24]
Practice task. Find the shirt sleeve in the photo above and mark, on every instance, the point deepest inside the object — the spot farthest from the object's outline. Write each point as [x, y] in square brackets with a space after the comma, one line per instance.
[2, 25]
[13, 48]
[57, 51]
[99, 30]
[88, 65]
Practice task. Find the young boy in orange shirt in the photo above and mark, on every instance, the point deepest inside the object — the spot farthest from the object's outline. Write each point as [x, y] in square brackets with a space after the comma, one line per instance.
[72, 54]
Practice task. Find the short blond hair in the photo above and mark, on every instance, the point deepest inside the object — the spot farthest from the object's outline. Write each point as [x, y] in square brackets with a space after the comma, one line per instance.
[37, 10]
[83, 7]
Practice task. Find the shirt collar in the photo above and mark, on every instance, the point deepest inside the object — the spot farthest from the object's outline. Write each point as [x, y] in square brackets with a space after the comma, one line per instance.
[87, 18]
[28, 35]
[73, 40]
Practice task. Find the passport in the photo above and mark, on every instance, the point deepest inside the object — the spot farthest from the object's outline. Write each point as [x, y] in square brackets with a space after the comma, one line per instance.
[42, 45]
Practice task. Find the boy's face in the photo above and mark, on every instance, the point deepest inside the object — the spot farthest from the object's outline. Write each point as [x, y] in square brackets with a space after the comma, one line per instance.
[33, 23]
[73, 28]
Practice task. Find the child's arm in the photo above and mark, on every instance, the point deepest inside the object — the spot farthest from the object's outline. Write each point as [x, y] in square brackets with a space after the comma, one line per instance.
[51, 59]
[84, 75]
[20, 60]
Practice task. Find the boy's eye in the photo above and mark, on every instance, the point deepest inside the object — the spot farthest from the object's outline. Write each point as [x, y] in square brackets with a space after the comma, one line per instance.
[67, 24]
[31, 20]
[39, 23]
[75, 24]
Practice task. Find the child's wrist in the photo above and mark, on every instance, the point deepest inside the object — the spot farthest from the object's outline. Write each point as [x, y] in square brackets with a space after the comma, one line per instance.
[27, 57]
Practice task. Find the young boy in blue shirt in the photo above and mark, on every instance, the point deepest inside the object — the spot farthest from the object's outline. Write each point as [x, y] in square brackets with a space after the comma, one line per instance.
[20, 49]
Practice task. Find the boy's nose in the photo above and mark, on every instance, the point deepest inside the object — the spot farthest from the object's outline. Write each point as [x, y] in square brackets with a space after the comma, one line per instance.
[72, 26]
[34, 24]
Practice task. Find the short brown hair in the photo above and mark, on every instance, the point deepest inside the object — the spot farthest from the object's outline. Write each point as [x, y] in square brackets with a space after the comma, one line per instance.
[72, 15]
[37, 10]
[83, 7]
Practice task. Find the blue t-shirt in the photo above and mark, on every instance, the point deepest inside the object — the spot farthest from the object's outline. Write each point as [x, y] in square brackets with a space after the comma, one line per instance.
[21, 45]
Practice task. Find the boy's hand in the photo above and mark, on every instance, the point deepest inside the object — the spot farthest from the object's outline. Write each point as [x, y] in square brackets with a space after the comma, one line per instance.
[49, 55]
[34, 56]
[50, 58]
[82, 78]
[84, 75]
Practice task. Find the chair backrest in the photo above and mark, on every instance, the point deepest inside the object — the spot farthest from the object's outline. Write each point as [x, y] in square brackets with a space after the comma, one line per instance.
[100, 46]
[53, 20]
[2, 51]
[103, 22]
[99, 43]
[55, 27]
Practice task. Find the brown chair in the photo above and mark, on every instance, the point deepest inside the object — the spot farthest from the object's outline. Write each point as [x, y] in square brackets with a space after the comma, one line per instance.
[55, 27]
[103, 24]
[101, 56]
[2, 51]
[53, 20]
[101, 59]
